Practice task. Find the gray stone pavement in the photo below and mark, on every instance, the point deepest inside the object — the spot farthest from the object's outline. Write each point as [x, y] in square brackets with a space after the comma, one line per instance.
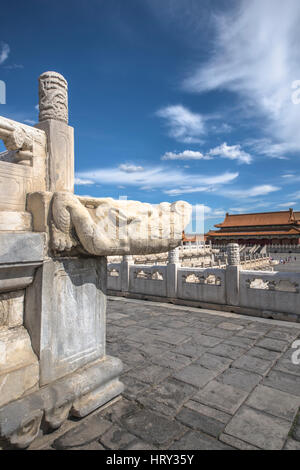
[195, 379]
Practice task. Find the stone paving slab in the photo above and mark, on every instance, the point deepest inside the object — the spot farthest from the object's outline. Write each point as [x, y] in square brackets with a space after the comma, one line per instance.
[84, 433]
[252, 364]
[283, 381]
[196, 375]
[200, 422]
[171, 359]
[263, 353]
[194, 379]
[213, 362]
[153, 428]
[240, 379]
[259, 429]
[117, 438]
[227, 350]
[272, 401]
[291, 444]
[198, 441]
[285, 365]
[207, 411]
[272, 344]
[150, 373]
[236, 443]
[168, 397]
[222, 396]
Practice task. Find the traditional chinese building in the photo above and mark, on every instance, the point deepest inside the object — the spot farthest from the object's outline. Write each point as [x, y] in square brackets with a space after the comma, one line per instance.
[192, 238]
[268, 228]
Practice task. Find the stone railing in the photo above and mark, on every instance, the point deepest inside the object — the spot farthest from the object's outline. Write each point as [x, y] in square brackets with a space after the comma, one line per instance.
[189, 255]
[272, 248]
[260, 293]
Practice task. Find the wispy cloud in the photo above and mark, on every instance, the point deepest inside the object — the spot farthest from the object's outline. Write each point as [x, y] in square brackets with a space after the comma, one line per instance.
[156, 177]
[82, 182]
[266, 147]
[239, 209]
[210, 213]
[233, 152]
[210, 184]
[288, 175]
[185, 155]
[129, 168]
[287, 204]
[255, 191]
[256, 55]
[184, 125]
[295, 195]
[196, 189]
[4, 52]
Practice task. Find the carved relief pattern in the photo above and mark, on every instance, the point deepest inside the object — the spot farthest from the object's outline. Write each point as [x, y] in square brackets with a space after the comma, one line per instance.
[110, 228]
[53, 97]
[209, 279]
[233, 252]
[148, 275]
[282, 285]
[173, 256]
[113, 272]
[18, 139]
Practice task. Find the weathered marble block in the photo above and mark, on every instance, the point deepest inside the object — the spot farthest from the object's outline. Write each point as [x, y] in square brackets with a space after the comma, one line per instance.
[19, 368]
[65, 314]
[12, 309]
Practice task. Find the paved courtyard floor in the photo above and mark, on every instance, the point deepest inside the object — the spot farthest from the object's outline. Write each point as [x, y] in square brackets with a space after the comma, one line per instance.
[195, 379]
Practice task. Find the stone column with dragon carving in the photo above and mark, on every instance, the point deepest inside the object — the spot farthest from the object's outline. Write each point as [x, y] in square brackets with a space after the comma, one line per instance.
[53, 119]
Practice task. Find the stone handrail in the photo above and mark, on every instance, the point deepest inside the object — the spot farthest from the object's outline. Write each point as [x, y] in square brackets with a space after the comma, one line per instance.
[261, 293]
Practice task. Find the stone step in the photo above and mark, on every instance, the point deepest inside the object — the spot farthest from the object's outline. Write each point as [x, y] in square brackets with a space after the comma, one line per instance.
[19, 367]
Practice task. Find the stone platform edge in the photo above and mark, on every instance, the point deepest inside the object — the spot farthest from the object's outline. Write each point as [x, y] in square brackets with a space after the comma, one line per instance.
[77, 394]
[267, 314]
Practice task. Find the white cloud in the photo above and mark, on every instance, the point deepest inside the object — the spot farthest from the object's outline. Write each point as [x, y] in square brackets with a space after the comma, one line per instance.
[221, 179]
[128, 168]
[239, 209]
[287, 204]
[296, 195]
[155, 177]
[255, 191]
[176, 192]
[82, 182]
[288, 175]
[211, 182]
[233, 152]
[4, 52]
[185, 155]
[29, 121]
[257, 56]
[184, 125]
[268, 148]
[210, 213]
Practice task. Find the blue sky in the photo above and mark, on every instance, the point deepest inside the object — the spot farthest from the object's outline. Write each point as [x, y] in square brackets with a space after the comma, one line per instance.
[170, 99]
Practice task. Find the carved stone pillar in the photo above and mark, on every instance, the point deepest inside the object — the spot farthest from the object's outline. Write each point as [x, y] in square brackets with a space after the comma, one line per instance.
[173, 262]
[233, 274]
[53, 117]
[127, 261]
[233, 251]
[173, 256]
